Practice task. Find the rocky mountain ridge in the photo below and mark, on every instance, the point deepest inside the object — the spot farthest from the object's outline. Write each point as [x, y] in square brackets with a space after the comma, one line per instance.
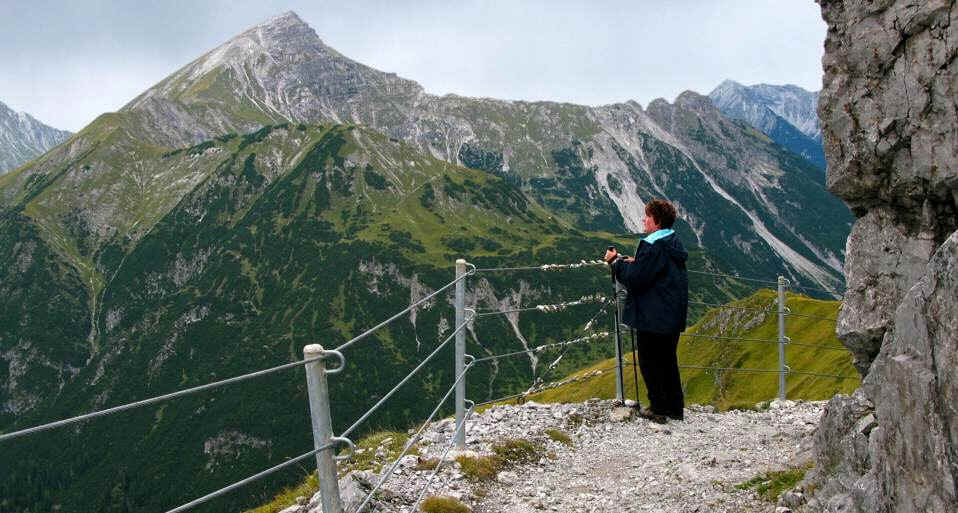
[22, 138]
[786, 113]
[595, 167]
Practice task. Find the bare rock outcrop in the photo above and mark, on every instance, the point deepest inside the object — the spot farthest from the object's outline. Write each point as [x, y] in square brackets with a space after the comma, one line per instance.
[890, 126]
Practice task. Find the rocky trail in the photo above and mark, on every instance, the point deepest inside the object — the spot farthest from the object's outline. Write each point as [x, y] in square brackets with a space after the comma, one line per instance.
[613, 461]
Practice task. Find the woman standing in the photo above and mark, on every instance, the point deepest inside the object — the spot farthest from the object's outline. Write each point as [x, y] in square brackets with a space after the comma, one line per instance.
[657, 307]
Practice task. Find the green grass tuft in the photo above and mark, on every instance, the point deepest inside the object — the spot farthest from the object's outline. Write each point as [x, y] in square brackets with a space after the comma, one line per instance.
[365, 456]
[288, 496]
[505, 454]
[482, 468]
[443, 504]
[771, 485]
[559, 436]
[518, 450]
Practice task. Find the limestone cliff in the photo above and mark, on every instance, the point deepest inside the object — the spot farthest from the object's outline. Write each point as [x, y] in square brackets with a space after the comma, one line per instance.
[890, 128]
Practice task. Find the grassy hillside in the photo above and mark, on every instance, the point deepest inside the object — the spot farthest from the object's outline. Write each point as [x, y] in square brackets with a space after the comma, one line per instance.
[731, 389]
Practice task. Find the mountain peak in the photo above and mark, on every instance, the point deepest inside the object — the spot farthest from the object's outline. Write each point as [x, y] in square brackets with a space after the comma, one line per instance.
[285, 19]
[23, 137]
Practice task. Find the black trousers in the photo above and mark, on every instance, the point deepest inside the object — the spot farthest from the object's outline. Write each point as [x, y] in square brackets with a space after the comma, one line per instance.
[660, 371]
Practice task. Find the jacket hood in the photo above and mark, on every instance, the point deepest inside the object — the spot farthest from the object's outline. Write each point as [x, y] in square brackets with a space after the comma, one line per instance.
[674, 248]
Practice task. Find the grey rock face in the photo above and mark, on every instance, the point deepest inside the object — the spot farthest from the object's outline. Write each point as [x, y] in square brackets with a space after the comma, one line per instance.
[22, 138]
[915, 386]
[890, 129]
[888, 111]
[882, 260]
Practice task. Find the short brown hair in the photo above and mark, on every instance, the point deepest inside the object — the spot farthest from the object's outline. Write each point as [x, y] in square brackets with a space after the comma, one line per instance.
[662, 212]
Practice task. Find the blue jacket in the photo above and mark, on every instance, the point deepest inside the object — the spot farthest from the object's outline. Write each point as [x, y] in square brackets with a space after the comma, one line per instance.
[657, 284]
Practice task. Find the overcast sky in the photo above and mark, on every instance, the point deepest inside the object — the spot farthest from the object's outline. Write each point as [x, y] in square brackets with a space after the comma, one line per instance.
[65, 62]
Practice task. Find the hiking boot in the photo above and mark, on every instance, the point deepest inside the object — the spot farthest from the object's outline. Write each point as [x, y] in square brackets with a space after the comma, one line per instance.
[647, 413]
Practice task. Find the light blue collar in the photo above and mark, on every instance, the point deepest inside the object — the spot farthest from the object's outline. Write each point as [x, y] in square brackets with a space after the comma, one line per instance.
[665, 232]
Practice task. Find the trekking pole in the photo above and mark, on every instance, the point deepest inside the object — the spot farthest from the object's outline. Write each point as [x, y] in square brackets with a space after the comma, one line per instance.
[619, 388]
[635, 361]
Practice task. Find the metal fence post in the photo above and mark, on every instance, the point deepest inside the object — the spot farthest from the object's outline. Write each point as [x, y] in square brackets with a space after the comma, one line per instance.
[781, 337]
[460, 352]
[322, 429]
[619, 387]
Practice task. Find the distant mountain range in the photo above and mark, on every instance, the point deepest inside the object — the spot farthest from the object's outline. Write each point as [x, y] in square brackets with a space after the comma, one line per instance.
[786, 113]
[22, 138]
[274, 193]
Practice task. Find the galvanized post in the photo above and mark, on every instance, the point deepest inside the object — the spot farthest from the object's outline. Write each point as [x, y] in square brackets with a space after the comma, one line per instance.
[460, 352]
[781, 337]
[619, 387]
[322, 428]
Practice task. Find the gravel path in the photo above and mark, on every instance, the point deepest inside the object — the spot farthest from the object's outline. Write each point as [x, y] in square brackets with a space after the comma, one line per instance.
[636, 465]
[613, 464]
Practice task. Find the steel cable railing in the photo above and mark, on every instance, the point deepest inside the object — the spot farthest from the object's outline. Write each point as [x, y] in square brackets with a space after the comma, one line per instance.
[546, 267]
[718, 306]
[809, 316]
[754, 280]
[548, 308]
[763, 340]
[581, 340]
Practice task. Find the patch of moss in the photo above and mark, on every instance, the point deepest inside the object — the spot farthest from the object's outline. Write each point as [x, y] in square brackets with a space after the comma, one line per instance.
[517, 450]
[427, 464]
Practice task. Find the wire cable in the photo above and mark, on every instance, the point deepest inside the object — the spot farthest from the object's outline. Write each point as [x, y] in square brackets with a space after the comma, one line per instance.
[372, 330]
[581, 340]
[415, 438]
[152, 400]
[250, 479]
[409, 376]
[558, 307]
[820, 317]
[442, 459]
[734, 277]
[545, 267]
[725, 307]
